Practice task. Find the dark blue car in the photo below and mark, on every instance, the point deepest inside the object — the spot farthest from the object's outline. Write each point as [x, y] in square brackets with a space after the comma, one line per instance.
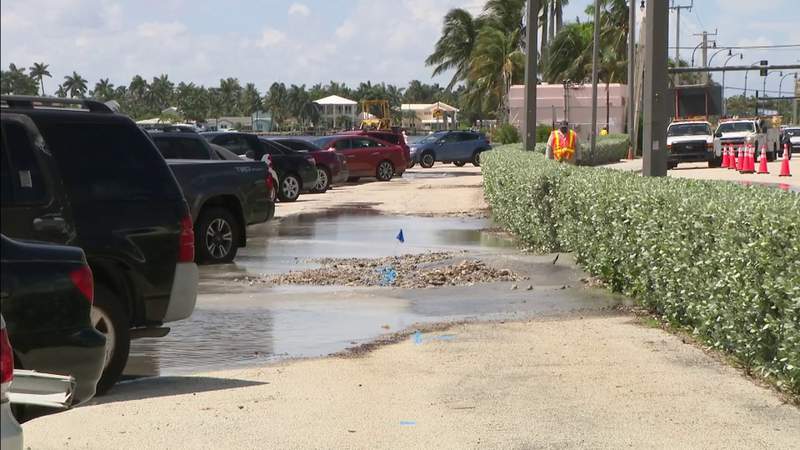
[458, 147]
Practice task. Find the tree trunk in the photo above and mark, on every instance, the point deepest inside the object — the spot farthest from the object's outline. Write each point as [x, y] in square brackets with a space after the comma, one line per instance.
[543, 23]
[552, 22]
[559, 16]
[608, 105]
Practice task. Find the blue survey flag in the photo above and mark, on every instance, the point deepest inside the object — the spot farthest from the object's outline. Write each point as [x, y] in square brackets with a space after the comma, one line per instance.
[400, 236]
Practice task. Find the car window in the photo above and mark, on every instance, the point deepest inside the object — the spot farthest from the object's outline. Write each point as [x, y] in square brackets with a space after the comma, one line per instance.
[23, 182]
[324, 142]
[344, 144]
[168, 148]
[451, 137]
[108, 162]
[234, 143]
[388, 137]
[362, 143]
[272, 148]
[192, 149]
[464, 137]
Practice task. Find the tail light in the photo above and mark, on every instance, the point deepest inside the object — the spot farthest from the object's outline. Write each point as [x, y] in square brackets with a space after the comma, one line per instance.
[186, 249]
[6, 359]
[268, 182]
[82, 279]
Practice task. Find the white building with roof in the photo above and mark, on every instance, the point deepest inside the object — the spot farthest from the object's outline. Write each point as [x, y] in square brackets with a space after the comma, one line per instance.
[429, 116]
[338, 111]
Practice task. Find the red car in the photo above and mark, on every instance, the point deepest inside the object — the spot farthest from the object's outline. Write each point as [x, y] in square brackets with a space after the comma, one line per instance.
[366, 156]
[392, 137]
[331, 166]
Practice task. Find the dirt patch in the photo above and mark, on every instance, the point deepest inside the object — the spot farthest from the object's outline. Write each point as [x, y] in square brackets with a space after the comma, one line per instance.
[406, 271]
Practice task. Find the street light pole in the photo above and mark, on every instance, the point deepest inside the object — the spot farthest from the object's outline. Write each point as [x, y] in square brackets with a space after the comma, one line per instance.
[725, 99]
[780, 84]
[764, 86]
[654, 142]
[531, 75]
[746, 73]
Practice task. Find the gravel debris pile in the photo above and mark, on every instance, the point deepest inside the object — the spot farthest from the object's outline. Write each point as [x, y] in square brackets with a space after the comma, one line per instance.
[407, 271]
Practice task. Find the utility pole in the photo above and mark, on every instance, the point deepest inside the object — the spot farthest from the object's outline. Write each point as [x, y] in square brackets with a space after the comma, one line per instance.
[654, 140]
[677, 9]
[631, 65]
[531, 75]
[796, 94]
[705, 35]
[595, 51]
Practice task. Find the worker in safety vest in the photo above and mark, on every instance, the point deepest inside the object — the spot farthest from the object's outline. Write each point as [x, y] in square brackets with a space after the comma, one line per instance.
[563, 144]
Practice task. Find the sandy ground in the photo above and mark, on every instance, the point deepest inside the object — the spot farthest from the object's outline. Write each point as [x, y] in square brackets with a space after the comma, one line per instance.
[595, 382]
[701, 171]
[600, 381]
[445, 190]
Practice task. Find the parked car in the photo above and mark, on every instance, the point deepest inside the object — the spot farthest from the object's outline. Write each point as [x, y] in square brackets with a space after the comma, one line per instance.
[48, 292]
[228, 155]
[390, 136]
[691, 140]
[76, 173]
[296, 172]
[458, 147]
[791, 136]
[331, 166]
[224, 194]
[366, 156]
[10, 430]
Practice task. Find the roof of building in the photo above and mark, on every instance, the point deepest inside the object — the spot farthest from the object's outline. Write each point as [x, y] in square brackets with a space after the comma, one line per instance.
[335, 100]
[427, 106]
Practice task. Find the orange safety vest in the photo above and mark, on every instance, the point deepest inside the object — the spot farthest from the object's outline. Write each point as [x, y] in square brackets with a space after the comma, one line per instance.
[563, 146]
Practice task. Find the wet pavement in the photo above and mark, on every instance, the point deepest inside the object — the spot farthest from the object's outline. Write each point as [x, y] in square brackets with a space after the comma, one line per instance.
[236, 324]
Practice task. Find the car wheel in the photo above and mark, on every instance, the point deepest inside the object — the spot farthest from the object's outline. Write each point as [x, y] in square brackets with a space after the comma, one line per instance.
[411, 164]
[671, 165]
[323, 180]
[289, 189]
[476, 159]
[216, 236]
[427, 159]
[459, 163]
[109, 317]
[385, 171]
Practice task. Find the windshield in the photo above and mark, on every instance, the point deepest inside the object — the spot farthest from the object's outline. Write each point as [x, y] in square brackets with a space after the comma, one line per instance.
[792, 132]
[735, 127]
[688, 129]
[432, 137]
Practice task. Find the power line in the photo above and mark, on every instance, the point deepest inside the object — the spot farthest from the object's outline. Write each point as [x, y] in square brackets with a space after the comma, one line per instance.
[746, 47]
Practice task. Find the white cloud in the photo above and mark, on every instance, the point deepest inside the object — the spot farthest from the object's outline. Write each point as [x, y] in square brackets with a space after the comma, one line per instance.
[271, 37]
[299, 9]
[160, 30]
[346, 30]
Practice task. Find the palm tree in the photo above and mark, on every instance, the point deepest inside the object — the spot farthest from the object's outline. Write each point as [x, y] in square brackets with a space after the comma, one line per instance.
[570, 54]
[61, 92]
[497, 62]
[103, 90]
[277, 102]
[231, 91]
[38, 71]
[454, 48]
[250, 100]
[160, 93]
[75, 85]
[559, 7]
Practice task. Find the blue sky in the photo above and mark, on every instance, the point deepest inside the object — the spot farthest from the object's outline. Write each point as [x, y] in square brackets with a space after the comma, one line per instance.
[310, 41]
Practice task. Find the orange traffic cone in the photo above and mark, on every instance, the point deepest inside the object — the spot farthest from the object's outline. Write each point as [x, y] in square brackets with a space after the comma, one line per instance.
[731, 157]
[725, 157]
[630, 153]
[785, 172]
[748, 160]
[762, 160]
[739, 159]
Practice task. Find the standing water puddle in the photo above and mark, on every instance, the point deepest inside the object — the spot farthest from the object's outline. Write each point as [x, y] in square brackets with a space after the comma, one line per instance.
[235, 324]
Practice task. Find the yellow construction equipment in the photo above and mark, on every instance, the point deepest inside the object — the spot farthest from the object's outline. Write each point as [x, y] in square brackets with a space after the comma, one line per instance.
[377, 115]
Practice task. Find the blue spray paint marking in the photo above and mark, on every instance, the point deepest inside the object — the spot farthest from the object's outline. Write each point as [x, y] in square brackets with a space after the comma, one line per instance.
[388, 275]
[417, 338]
[445, 337]
[408, 422]
[400, 236]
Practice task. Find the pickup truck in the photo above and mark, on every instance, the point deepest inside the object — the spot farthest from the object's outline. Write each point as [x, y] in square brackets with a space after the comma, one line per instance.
[75, 172]
[296, 172]
[753, 131]
[225, 195]
[691, 141]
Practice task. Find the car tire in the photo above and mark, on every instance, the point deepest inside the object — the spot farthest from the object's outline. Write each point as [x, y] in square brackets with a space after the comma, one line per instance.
[109, 317]
[323, 180]
[459, 163]
[476, 159]
[289, 189]
[216, 236]
[384, 171]
[671, 165]
[427, 160]
[411, 164]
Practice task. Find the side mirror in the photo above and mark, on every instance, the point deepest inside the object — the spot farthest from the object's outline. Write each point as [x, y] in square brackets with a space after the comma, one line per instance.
[440, 142]
[718, 134]
[250, 154]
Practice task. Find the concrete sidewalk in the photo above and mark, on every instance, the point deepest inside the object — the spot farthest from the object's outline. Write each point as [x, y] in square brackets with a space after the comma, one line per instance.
[701, 171]
[594, 382]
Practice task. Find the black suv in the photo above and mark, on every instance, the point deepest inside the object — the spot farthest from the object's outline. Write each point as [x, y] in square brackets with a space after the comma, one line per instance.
[75, 172]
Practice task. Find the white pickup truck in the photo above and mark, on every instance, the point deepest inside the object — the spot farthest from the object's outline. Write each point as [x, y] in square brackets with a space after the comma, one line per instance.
[691, 141]
[754, 131]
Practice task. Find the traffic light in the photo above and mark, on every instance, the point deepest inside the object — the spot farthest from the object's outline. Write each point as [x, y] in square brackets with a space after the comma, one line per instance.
[764, 62]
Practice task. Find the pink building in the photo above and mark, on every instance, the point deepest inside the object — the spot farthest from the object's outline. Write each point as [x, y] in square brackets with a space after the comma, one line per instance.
[551, 100]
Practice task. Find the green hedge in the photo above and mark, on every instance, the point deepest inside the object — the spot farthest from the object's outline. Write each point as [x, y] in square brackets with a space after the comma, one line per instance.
[719, 258]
